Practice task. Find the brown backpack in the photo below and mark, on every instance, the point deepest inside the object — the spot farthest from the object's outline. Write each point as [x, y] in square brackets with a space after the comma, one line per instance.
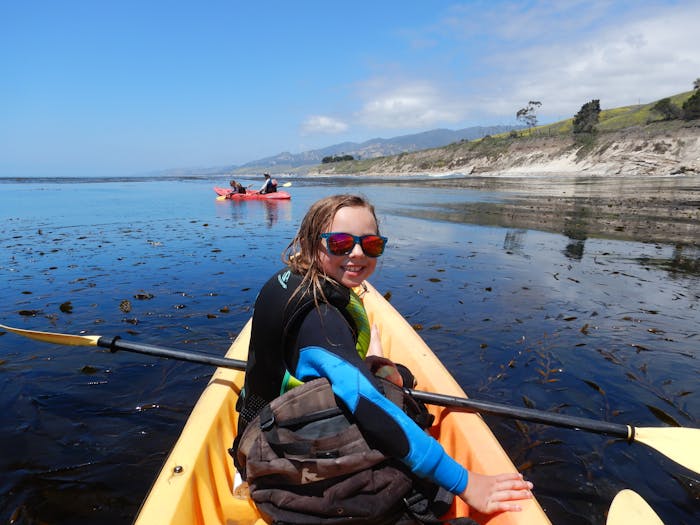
[306, 462]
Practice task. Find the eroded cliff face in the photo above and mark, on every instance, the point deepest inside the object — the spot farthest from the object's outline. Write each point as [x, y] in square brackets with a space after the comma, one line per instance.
[634, 151]
[619, 153]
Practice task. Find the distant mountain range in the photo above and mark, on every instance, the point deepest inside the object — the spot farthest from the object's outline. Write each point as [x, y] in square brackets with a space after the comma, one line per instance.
[373, 148]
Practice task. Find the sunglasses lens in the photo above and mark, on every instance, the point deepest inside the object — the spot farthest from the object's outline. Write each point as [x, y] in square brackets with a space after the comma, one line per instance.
[343, 244]
[340, 243]
[372, 245]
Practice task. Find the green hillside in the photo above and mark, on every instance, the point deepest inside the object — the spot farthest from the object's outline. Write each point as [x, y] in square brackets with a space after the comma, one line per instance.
[615, 119]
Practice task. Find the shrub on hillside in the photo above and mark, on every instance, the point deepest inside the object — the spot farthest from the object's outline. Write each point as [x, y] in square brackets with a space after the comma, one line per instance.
[336, 158]
[691, 107]
[587, 118]
[667, 109]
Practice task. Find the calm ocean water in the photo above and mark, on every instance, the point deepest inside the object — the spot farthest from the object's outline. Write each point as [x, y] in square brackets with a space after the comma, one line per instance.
[599, 328]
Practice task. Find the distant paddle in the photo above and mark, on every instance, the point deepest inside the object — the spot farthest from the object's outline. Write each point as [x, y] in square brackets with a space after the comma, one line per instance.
[677, 443]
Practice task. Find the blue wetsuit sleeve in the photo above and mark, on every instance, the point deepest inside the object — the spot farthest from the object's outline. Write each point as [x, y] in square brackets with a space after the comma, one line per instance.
[339, 364]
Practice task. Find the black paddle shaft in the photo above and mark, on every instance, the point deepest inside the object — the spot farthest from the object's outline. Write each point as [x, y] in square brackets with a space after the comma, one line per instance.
[116, 343]
[527, 414]
[472, 405]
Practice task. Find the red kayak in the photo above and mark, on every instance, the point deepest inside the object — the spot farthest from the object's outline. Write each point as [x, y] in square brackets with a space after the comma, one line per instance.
[251, 195]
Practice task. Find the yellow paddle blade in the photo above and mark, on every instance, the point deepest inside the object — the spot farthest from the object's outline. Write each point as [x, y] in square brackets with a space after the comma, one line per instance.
[60, 339]
[221, 198]
[286, 184]
[628, 507]
[681, 444]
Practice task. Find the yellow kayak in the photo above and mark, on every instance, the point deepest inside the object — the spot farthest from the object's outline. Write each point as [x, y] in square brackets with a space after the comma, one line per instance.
[198, 483]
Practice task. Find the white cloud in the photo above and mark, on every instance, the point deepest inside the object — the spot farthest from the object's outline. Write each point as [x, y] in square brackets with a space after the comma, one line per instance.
[483, 61]
[412, 105]
[628, 62]
[323, 125]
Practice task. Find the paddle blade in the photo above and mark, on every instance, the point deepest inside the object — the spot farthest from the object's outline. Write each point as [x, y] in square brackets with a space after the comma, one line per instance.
[286, 184]
[221, 198]
[59, 339]
[630, 507]
[681, 444]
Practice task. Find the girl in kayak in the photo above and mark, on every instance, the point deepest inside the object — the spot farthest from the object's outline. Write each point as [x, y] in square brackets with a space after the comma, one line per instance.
[237, 186]
[309, 323]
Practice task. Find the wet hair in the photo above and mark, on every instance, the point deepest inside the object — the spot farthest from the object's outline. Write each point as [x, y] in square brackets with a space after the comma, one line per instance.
[302, 254]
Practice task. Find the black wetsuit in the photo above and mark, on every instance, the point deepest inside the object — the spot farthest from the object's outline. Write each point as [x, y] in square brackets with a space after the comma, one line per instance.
[296, 340]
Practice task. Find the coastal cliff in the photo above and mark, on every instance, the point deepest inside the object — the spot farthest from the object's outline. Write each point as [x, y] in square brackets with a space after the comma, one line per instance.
[663, 148]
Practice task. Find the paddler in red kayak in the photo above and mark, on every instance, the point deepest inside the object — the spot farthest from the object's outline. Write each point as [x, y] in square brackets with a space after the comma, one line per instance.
[309, 323]
[237, 187]
[269, 186]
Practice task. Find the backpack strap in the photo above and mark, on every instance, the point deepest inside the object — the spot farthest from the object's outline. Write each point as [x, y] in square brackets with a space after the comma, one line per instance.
[413, 408]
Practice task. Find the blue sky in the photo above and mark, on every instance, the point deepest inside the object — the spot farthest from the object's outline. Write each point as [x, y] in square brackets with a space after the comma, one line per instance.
[128, 87]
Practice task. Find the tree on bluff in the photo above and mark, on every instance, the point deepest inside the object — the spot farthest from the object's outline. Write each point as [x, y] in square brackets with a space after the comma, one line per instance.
[587, 118]
[528, 114]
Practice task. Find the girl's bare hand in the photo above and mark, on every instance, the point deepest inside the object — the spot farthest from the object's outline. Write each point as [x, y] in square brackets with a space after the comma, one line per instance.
[489, 494]
[384, 368]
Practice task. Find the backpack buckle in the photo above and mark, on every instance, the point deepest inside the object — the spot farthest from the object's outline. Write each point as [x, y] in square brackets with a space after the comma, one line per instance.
[267, 418]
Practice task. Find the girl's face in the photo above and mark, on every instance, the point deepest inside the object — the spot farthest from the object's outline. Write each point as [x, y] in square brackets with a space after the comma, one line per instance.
[353, 268]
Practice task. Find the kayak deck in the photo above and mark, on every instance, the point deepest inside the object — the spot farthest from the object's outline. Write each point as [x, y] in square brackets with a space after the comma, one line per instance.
[196, 483]
[251, 195]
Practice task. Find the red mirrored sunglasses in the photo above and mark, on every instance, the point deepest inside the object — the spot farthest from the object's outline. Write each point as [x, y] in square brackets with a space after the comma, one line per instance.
[343, 243]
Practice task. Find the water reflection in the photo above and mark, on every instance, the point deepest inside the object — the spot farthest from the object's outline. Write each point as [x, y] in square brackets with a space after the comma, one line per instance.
[576, 227]
[574, 250]
[274, 209]
[267, 212]
[663, 209]
[514, 241]
[582, 211]
[683, 260]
